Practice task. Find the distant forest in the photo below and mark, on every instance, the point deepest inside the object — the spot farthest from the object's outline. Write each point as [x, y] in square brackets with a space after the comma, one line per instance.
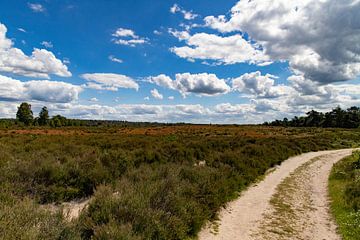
[337, 118]
[25, 117]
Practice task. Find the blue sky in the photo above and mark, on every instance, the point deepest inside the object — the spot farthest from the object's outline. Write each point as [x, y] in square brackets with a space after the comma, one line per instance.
[222, 62]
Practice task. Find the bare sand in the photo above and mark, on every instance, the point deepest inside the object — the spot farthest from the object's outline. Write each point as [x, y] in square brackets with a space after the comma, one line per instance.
[290, 203]
[70, 210]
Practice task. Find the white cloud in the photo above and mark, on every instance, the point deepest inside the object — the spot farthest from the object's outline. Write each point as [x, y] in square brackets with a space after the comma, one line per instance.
[66, 61]
[127, 37]
[171, 98]
[157, 32]
[188, 15]
[21, 30]
[192, 109]
[155, 93]
[320, 39]
[181, 35]
[36, 7]
[224, 50]
[175, 8]
[163, 81]
[122, 32]
[50, 91]
[94, 99]
[130, 42]
[259, 85]
[237, 109]
[115, 59]
[109, 81]
[45, 91]
[308, 94]
[186, 83]
[40, 64]
[47, 44]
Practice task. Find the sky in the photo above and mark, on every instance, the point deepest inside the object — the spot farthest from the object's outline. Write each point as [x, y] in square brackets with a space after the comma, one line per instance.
[179, 61]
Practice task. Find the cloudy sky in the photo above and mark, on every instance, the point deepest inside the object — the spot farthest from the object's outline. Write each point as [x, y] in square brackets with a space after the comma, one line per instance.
[179, 61]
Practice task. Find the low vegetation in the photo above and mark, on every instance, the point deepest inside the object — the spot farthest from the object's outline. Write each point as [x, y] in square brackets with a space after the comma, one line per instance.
[345, 196]
[161, 182]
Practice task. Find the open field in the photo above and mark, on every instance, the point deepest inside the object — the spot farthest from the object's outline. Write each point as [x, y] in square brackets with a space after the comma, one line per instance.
[160, 182]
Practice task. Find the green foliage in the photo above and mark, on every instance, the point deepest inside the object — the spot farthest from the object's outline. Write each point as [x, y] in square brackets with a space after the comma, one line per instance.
[24, 114]
[337, 118]
[24, 219]
[345, 194]
[43, 117]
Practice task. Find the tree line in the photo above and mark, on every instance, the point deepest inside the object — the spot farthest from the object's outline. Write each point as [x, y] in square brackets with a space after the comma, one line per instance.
[25, 116]
[337, 118]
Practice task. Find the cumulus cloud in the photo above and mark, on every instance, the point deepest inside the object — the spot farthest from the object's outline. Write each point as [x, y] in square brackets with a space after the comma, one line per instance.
[122, 32]
[237, 109]
[155, 93]
[224, 50]
[36, 7]
[203, 84]
[45, 91]
[320, 39]
[188, 15]
[259, 85]
[123, 36]
[133, 112]
[40, 64]
[192, 109]
[181, 35]
[312, 94]
[109, 81]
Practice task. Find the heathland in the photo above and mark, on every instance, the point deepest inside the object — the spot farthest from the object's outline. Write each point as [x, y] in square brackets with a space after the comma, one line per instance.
[145, 182]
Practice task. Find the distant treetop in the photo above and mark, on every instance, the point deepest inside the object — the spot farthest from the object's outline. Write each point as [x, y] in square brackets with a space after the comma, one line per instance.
[337, 118]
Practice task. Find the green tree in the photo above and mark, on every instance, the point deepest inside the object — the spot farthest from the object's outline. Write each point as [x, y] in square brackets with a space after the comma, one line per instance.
[58, 121]
[314, 119]
[44, 117]
[24, 114]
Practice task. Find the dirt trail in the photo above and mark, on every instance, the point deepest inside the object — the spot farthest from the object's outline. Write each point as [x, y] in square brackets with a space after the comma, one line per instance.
[290, 203]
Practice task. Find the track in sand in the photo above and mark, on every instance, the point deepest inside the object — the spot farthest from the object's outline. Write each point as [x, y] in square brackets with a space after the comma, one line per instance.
[290, 203]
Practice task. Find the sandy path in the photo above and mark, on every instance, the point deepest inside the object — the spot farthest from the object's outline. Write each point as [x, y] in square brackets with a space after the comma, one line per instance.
[71, 210]
[290, 203]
